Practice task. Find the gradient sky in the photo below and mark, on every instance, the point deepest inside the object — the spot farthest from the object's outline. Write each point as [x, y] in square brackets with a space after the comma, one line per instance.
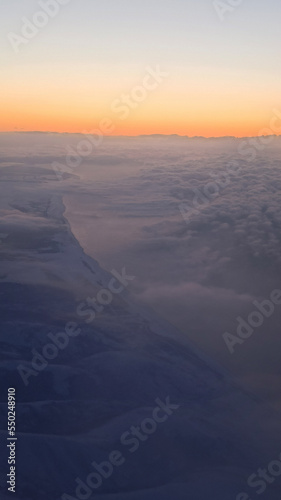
[224, 76]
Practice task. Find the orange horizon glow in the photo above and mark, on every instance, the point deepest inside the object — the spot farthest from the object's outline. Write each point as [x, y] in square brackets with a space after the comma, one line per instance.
[190, 102]
[200, 77]
[148, 121]
[150, 130]
[145, 121]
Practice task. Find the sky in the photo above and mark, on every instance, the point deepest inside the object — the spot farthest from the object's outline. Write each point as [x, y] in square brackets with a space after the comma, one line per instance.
[222, 67]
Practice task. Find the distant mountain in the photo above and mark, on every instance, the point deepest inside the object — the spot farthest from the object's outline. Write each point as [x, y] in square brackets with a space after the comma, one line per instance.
[141, 136]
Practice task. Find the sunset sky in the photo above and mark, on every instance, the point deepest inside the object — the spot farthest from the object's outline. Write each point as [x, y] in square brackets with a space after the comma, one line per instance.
[224, 75]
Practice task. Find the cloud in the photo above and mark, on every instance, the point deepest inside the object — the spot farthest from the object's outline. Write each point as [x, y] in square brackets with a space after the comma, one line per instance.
[123, 206]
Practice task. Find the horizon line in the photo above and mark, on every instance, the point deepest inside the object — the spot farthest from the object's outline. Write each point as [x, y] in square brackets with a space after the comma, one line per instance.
[139, 135]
